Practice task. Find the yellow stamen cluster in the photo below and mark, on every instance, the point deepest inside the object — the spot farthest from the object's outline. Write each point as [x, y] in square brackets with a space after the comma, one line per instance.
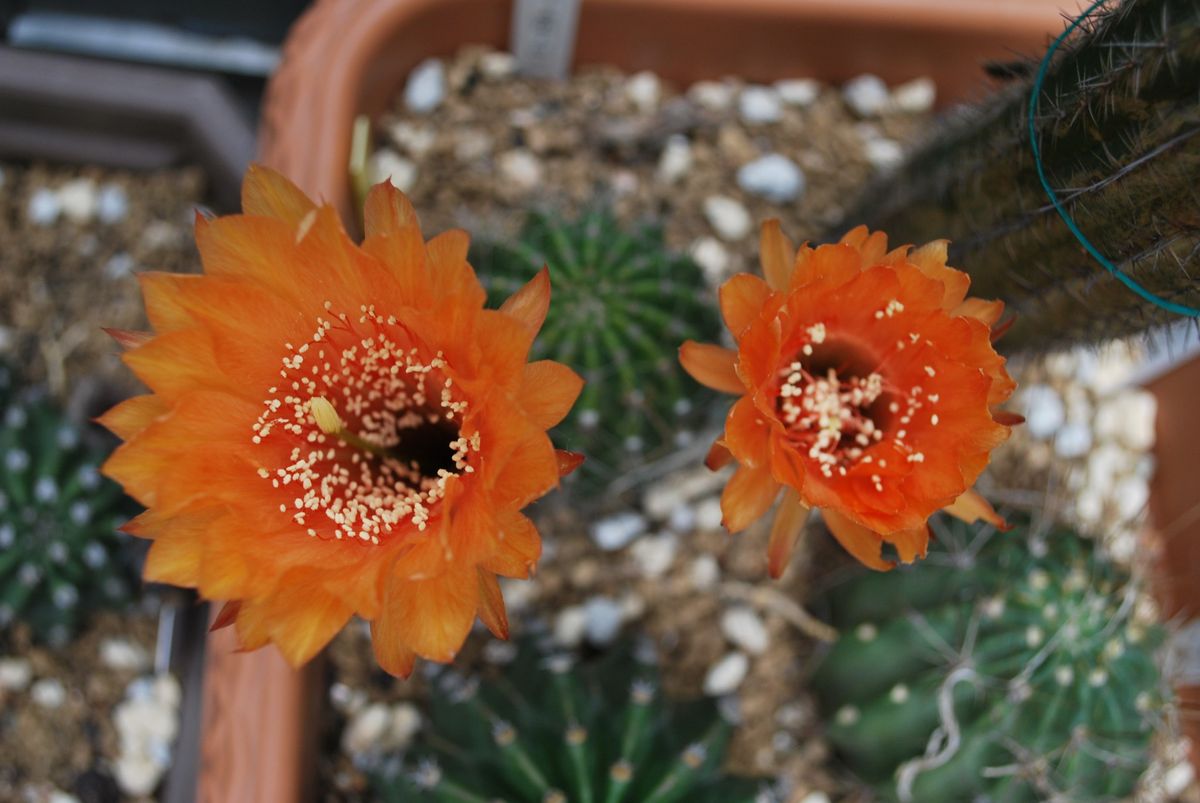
[353, 404]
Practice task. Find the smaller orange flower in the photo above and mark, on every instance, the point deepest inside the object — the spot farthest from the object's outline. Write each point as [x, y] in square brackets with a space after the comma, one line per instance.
[868, 387]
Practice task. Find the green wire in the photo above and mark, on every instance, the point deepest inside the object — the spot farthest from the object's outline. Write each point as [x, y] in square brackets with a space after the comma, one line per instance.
[1036, 92]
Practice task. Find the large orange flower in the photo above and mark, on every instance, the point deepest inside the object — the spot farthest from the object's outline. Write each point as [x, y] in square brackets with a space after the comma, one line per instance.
[337, 429]
[868, 387]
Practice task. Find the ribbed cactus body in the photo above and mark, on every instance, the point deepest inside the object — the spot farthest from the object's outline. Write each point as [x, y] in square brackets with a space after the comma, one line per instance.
[60, 554]
[550, 730]
[1119, 129]
[622, 305]
[1005, 667]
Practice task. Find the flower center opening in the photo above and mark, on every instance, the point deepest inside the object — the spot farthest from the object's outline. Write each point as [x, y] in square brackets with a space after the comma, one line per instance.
[833, 401]
[371, 427]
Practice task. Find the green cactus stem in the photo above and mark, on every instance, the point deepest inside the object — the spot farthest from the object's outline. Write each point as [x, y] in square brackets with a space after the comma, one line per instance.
[1006, 667]
[1118, 124]
[61, 556]
[552, 730]
[622, 306]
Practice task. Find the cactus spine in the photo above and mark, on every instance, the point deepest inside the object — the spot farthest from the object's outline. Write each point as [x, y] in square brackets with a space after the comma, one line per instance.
[556, 731]
[60, 554]
[1008, 667]
[622, 305]
[1119, 127]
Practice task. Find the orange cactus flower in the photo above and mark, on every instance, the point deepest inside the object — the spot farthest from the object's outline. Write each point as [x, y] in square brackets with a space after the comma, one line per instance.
[868, 387]
[338, 429]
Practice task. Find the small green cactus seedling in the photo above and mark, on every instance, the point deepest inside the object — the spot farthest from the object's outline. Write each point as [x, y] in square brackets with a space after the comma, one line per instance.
[1005, 667]
[60, 554]
[622, 306]
[550, 730]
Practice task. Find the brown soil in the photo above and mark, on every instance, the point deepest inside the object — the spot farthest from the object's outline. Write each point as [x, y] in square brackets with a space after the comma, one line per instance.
[59, 284]
[72, 745]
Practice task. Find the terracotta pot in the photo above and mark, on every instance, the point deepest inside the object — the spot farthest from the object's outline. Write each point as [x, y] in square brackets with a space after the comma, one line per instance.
[1174, 528]
[349, 57]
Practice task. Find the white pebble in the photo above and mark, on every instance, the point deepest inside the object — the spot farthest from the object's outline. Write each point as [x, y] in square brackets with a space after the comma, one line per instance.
[705, 573]
[112, 204]
[15, 674]
[48, 693]
[623, 182]
[123, 655]
[1073, 440]
[1139, 411]
[44, 207]
[711, 95]
[866, 95]
[570, 626]
[1177, 779]
[726, 675]
[644, 91]
[521, 168]
[603, 623]
[682, 519]
[712, 258]
[118, 266]
[388, 165]
[617, 531]
[1131, 495]
[1044, 410]
[426, 87]
[883, 154]
[744, 628]
[798, 91]
[59, 796]
[77, 198]
[915, 97]
[366, 729]
[137, 775]
[497, 65]
[406, 722]
[728, 217]
[654, 554]
[760, 104]
[676, 159]
[815, 797]
[774, 177]
[416, 139]
[708, 513]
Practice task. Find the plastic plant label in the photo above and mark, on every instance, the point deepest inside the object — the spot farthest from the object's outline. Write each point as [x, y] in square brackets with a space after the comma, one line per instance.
[543, 38]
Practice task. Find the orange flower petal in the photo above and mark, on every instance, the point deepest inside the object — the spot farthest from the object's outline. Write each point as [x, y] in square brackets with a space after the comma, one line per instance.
[387, 211]
[864, 544]
[1008, 419]
[986, 312]
[227, 616]
[548, 390]
[133, 415]
[452, 276]
[491, 605]
[742, 299]
[127, 338]
[395, 658]
[748, 496]
[568, 461]
[789, 523]
[777, 254]
[746, 433]
[267, 193]
[718, 456]
[431, 617]
[519, 548]
[712, 366]
[972, 507]
[531, 303]
[303, 617]
[910, 544]
[931, 259]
